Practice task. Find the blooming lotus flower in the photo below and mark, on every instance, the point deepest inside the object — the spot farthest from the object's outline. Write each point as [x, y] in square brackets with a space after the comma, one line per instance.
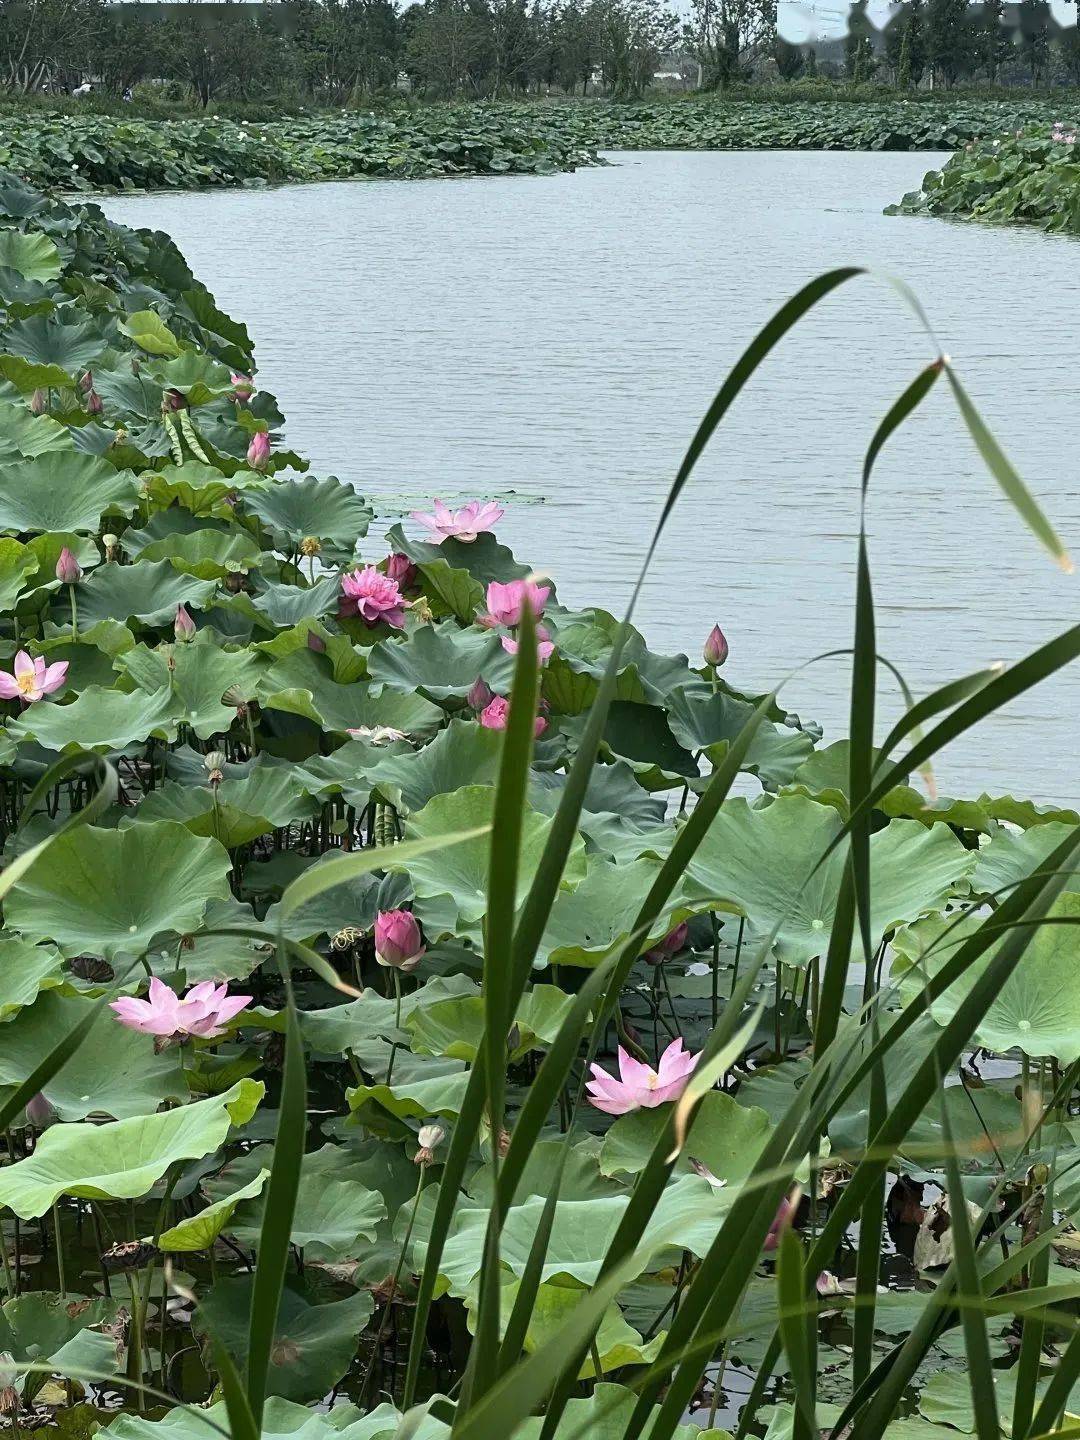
[545, 646]
[716, 648]
[506, 602]
[376, 734]
[639, 1087]
[671, 944]
[464, 524]
[398, 943]
[373, 597]
[68, 569]
[496, 716]
[203, 1011]
[183, 624]
[258, 452]
[401, 569]
[32, 678]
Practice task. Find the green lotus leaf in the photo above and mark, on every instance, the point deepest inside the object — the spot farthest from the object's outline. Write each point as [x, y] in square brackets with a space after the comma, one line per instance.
[199, 377]
[419, 1088]
[150, 592]
[712, 722]
[335, 1216]
[287, 604]
[463, 754]
[17, 562]
[124, 1160]
[605, 1415]
[107, 891]
[586, 922]
[217, 957]
[455, 1027]
[25, 970]
[98, 719]
[43, 1327]
[56, 344]
[198, 1232]
[356, 1025]
[946, 1399]
[34, 256]
[172, 526]
[59, 491]
[761, 863]
[641, 735]
[300, 685]
[115, 1071]
[313, 1344]
[327, 510]
[441, 660]
[1010, 858]
[195, 487]
[456, 574]
[581, 1178]
[47, 549]
[24, 435]
[150, 333]
[205, 553]
[457, 876]
[267, 797]
[201, 675]
[612, 792]
[280, 1417]
[1037, 1010]
[725, 1136]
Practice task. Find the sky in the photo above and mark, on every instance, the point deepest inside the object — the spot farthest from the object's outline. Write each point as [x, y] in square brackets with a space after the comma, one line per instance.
[800, 21]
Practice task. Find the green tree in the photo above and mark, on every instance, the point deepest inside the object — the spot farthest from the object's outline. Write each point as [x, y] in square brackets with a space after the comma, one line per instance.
[859, 61]
[949, 39]
[994, 41]
[1069, 50]
[790, 61]
[1035, 37]
[728, 37]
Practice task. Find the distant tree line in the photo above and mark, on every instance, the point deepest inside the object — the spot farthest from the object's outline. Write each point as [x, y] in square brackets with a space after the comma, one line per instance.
[339, 51]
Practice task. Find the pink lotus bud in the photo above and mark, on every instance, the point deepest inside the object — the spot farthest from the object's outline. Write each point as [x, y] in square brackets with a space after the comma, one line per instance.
[86, 381]
[827, 1284]
[258, 452]
[671, 944]
[183, 625]
[243, 387]
[93, 402]
[174, 400]
[480, 695]
[398, 942]
[68, 569]
[716, 648]
[40, 1113]
[39, 402]
[401, 569]
[785, 1214]
[316, 643]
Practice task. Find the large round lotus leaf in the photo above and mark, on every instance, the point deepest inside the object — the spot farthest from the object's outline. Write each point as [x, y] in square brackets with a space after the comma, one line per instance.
[419, 1087]
[113, 890]
[290, 604]
[333, 1220]
[115, 1071]
[580, 1180]
[200, 676]
[455, 1028]
[1012, 857]
[24, 434]
[712, 722]
[198, 1232]
[195, 487]
[612, 791]
[458, 874]
[313, 1344]
[280, 1417]
[725, 1136]
[57, 491]
[442, 660]
[17, 563]
[463, 754]
[166, 527]
[25, 970]
[328, 510]
[641, 735]
[206, 554]
[1037, 1010]
[123, 1160]
[761, 863]
[47, 341]
[587, 921]
[34, 256]
[301, 685]
[150, 591]
[266, 798]
[43, 1327]
[355, 1025]
[946, 1398]
[605, 1415]
[98, 719]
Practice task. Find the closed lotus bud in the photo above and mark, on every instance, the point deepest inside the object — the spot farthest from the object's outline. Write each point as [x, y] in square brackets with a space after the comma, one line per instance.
[183, 625]
[112, 546]
[93, 402]
[316, 643]
[39, 402]
[310, 545]
[258, 452]
[716, 648]
[86, 381]
[243, 387]
[398, 942]
[40, 1113]
[68, 569]
[480, 695]
[401, 569]
[173, 400]
[429, 1140]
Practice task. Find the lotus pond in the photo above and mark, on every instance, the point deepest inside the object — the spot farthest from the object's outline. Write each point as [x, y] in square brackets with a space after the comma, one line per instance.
[404, 1029]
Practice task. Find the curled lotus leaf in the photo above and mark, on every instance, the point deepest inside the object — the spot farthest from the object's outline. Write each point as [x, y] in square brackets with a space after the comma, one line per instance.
[98, 719]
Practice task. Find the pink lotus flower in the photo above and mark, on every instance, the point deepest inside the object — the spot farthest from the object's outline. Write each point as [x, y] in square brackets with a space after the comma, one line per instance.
[639, 1087]
[496, 716]
[258, 452]
[398, 942]
[785, 1214]
[243, 387]
[400, 569]
[32, 678]
[671, 944]
[203, 1011]
[464, 524]
[373, 597]
[93, 402]
[183, 624]
[716, 648]
[545, 646]
[68, 569]
[506, 602]
[480, 694]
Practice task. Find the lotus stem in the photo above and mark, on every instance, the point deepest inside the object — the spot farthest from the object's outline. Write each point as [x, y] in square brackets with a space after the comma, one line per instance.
[74, 613]
[393, 1286]
[59, 1240]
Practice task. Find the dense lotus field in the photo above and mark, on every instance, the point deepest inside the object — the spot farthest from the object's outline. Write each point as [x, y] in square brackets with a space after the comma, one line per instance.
[1032, 176]
[101, 152]
[553, 1085]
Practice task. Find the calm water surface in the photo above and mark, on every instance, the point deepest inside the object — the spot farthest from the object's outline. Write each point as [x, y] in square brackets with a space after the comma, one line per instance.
[561, 338]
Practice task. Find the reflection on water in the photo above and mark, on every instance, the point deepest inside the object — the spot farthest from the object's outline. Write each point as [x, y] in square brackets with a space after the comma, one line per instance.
[561, 337]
